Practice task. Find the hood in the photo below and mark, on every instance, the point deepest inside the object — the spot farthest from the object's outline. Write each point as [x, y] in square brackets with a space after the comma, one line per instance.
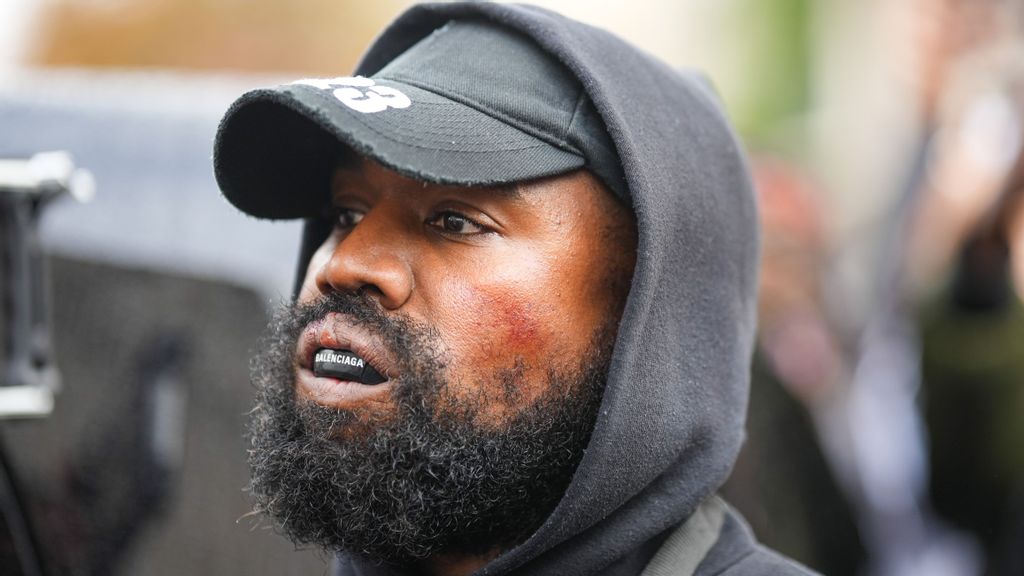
[671, 421]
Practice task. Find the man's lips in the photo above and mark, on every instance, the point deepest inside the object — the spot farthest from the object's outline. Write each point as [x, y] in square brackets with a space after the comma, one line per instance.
[334, 331]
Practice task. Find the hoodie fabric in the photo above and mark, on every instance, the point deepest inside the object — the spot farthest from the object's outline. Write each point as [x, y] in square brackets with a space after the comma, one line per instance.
[671, 421]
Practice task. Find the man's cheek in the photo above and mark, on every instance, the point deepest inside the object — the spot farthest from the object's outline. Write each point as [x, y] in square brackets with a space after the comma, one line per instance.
[499, 323]
[309, 291]
[499, 350]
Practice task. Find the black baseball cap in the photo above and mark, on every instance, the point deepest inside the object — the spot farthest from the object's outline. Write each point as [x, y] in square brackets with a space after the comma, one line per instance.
[471, 104]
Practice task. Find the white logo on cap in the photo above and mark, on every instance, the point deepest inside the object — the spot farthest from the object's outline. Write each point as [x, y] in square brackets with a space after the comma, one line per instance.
[359, 93]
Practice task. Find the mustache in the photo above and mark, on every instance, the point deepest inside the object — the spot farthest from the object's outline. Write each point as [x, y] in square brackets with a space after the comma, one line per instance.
[403, 336]
[418, 351]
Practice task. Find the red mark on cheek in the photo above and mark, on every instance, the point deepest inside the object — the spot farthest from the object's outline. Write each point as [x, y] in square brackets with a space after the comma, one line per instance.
[503, 317]
[521, 327]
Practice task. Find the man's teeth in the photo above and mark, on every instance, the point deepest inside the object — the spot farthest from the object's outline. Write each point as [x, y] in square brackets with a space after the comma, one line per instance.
[344, 365]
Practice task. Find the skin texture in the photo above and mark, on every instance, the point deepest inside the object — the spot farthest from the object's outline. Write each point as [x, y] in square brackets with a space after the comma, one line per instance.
[513, 280]
[508, 277]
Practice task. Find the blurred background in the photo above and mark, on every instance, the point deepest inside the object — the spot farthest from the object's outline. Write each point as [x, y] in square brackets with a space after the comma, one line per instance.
[886, 428]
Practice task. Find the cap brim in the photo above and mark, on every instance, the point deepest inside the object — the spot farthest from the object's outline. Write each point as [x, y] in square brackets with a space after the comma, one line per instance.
[276, 148]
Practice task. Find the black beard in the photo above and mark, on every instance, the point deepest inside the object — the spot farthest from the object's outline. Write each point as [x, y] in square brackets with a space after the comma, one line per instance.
[429, 480]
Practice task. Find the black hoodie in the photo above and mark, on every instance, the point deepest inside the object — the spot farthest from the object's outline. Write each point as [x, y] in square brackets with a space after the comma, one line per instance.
[671, 421]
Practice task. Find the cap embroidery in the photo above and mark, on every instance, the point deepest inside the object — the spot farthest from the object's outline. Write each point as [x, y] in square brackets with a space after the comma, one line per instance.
[359, 93]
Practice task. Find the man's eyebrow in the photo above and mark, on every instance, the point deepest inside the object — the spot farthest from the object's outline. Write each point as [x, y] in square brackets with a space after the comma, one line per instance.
[511, 191]
[339, 179]
[347, 161]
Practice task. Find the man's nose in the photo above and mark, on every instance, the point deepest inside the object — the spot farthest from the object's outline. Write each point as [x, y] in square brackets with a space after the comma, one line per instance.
[374, 258]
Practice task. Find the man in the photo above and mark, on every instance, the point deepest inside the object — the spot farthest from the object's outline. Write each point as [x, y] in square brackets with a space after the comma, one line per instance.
[521, 339]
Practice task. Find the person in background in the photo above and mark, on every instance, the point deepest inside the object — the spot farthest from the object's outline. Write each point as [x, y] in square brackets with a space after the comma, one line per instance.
[943, 260]
[969, 235]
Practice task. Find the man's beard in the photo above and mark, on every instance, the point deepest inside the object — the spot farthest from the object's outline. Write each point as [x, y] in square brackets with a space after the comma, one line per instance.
[430, 478]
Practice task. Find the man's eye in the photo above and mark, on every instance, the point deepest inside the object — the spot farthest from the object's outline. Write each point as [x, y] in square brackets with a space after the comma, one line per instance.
[348, 218]
[455, 223]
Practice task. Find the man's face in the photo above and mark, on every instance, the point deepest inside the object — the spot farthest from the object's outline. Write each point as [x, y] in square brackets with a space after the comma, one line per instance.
[492, 311]
[515, 279]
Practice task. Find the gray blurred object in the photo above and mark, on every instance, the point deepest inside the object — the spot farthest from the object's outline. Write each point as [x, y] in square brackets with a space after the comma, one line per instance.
[29, 373]
[26, 186]
[147, 138]
[160, 290]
